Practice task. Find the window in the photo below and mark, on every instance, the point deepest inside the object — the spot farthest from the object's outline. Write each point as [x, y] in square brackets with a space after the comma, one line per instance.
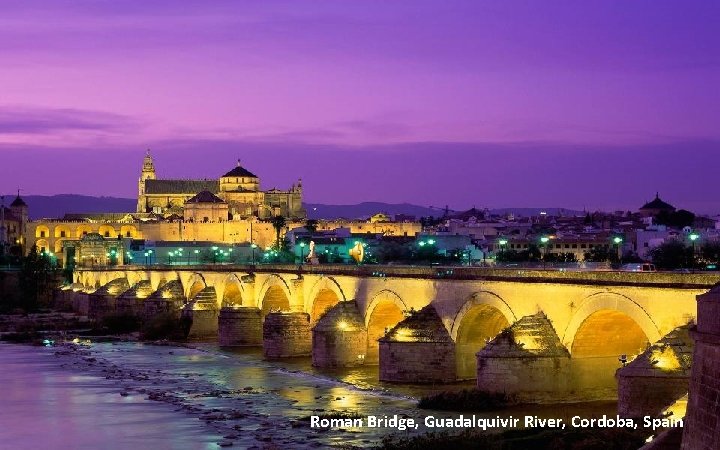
[107, 234]
[574, 246]
[62, 234]
[583, 246]
[42, 234]
[127, 234]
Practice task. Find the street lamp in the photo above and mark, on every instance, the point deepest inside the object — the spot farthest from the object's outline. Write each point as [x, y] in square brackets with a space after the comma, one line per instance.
[544, 241]
[618, 240]
[502, 242]
[693, 237]
[253, 246]
[196, 251]
[302, 252]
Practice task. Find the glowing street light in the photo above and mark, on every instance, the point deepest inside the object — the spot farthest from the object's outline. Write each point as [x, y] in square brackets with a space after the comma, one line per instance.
[302, 252]
[545, 240]
[253, 246]
[618, 240]
[502, 242]
[694, 236]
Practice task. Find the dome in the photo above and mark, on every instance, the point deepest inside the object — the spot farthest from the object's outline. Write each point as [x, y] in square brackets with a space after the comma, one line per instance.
[239, 172]
[658, 204]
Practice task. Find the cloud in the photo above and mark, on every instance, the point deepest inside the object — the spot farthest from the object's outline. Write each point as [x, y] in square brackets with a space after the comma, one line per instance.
[34, 120]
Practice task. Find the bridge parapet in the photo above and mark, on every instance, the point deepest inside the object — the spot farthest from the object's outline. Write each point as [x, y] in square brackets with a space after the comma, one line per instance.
[697, 280]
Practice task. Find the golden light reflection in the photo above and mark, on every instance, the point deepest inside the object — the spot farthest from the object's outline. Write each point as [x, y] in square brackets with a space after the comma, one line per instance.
[666, 359]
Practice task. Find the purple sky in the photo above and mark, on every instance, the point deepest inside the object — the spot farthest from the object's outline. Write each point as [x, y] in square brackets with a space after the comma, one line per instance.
[593, 104]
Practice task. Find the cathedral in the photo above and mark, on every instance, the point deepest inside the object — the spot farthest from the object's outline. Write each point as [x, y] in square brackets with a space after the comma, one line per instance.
[239, 189]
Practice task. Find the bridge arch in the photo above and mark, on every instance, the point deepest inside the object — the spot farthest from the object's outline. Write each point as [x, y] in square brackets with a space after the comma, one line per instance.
[384, 311]
[195, 284]
[481, 318]
[605, 308]
[233, 291]
[275, 294]
[605, 326]
[324, 294]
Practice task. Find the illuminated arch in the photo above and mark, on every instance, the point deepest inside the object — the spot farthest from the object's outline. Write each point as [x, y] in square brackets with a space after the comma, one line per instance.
[59, 246]
[42, 245]
[384, 311]
[128, 231]
[233, 291]
[82, 230]
[480, 319]
[275, 294]
[610, 301]
[62, 231]
[482, 298]
[324, 294]
[42, 231]
[107, 231]
[195, 284]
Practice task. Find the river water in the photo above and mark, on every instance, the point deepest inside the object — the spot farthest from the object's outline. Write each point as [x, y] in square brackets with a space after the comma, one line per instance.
[134, 396]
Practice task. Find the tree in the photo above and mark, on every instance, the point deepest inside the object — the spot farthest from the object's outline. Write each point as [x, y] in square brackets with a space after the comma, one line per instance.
[678, 219]
[710, 252]
[278, 222]
[672, 255]
[311, 225]
[600, 254]
[37, 274]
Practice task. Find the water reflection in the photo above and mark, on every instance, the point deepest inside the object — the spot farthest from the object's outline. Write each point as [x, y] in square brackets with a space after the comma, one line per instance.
[235, 393]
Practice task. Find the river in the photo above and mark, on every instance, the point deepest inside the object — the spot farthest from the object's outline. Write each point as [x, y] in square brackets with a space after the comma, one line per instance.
[131, 396]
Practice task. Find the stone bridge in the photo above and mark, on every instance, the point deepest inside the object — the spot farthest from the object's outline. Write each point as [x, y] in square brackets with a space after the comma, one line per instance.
[537, 332]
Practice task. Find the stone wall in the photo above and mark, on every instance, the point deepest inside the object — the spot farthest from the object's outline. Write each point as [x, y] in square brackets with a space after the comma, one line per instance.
[100, 306]
[702, 420]
[286, 334]
[203, 323]
[527, 361]
[339, 339]
[240, 326]
[418, 350]
[417, 362]
[657, 377]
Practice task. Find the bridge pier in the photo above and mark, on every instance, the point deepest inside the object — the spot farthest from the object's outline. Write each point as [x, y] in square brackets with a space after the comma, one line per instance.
[418, 350]
[202, 314]
[526, 360]
[240, 326]
[167, 300]
[657, 377]
[286, 334]
[101, 303]
[130, 302]
[339, 339]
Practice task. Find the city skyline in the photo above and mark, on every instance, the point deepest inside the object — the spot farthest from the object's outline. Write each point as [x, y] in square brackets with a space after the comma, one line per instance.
[598, 108]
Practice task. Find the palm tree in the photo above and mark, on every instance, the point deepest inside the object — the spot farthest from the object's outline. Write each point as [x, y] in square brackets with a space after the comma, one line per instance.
[311, 225]
[278, 222]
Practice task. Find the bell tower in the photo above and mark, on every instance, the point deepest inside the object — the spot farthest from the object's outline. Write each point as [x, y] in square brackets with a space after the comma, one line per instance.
[148, 173]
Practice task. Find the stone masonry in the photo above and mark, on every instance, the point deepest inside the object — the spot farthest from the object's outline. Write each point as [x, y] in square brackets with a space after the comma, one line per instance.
[418, 350]
[286, 334]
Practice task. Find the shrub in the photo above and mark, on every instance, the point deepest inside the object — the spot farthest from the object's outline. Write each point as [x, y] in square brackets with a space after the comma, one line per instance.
[465, 400]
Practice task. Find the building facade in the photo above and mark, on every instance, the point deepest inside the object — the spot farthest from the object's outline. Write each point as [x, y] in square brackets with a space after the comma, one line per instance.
[239, 188]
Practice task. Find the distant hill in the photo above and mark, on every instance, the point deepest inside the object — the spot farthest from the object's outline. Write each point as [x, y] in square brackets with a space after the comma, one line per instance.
[53, 206]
